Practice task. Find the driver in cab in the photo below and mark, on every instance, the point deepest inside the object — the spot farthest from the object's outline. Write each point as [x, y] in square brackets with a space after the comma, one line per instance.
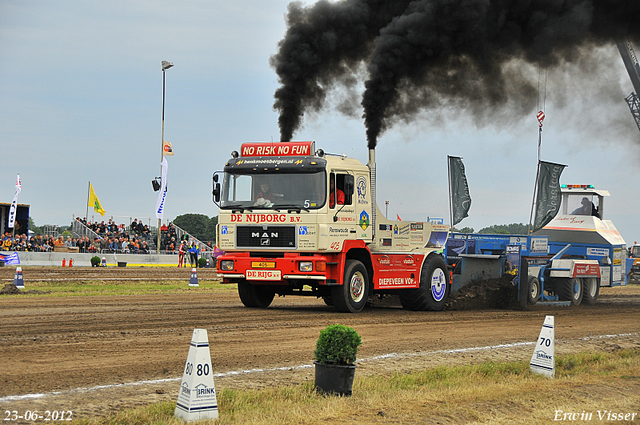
[586, 208]
[264, 196]
[336, 196]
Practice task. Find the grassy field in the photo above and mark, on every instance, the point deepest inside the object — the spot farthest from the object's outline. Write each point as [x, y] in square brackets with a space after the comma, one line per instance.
[588, 388]
[114, 287]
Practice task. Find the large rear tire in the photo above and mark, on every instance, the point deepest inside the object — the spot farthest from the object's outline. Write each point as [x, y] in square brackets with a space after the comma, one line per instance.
[591, 288]
[352, 295]
[259, 296]
[569, 290]
[433, 292]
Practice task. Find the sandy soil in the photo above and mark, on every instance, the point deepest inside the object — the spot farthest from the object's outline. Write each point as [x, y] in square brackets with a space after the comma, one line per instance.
[90, 355]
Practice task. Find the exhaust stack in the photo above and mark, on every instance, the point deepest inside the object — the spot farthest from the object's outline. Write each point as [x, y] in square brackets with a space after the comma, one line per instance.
[372, 177]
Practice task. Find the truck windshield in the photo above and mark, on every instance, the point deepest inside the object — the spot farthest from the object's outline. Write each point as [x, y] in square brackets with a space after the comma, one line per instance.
[581, 204]
[635, 252]
[272, 191]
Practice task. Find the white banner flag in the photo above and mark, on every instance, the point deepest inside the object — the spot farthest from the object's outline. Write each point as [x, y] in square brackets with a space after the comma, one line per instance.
[14, 204]
[160, 203]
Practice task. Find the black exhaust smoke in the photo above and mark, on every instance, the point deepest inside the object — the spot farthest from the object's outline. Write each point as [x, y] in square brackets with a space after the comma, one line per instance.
[425, 54]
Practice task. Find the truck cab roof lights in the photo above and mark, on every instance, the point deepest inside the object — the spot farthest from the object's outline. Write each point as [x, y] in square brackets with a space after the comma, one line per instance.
[577, 186]
[234, 154]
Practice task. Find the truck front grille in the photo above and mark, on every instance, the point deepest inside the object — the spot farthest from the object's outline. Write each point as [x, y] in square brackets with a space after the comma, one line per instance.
[266, 237]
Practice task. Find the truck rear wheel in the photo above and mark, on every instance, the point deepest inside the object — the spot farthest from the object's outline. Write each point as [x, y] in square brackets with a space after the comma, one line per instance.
[433, 292]
[255, 295]
[351, 296]
[569, 290]
[591, 288]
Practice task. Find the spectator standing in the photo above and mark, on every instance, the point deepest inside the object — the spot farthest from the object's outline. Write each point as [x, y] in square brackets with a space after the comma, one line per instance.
[181, 251]
[134, 226]
[6, 243]
[193, 254]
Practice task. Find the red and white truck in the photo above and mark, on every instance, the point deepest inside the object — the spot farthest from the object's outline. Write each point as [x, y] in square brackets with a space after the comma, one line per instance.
[296, 221]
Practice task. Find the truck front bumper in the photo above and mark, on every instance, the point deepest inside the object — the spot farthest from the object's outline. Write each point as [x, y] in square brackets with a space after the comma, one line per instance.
[277, 270]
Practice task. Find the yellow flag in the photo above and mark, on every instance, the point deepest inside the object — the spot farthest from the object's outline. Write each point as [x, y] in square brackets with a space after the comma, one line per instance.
[94, 201]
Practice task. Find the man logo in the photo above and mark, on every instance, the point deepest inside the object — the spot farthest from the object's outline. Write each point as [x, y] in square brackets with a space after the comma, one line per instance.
[265, 242]
[264, 235]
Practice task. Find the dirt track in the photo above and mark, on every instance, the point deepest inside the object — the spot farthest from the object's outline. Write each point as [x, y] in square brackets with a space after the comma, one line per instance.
[50, 344]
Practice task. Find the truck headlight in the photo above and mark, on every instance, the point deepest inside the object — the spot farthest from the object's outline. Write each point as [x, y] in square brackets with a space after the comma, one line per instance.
[306, 266]
[226, 265]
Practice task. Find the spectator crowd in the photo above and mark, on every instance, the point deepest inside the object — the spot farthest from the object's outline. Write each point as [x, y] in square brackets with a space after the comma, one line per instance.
[111, 238]
[114, 237]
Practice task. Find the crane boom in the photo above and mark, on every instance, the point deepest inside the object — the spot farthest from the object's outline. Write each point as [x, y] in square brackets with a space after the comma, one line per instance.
[633, 68]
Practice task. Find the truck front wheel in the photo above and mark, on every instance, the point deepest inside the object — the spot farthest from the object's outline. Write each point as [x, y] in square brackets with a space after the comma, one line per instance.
[433, 292]
[351, 296]
[255, 295]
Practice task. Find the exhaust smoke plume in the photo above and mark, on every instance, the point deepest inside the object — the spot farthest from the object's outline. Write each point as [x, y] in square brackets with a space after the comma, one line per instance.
[424, 54]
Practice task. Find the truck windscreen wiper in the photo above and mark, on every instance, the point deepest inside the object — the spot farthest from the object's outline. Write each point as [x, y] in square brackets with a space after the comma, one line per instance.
[291, 207]
[239, 207]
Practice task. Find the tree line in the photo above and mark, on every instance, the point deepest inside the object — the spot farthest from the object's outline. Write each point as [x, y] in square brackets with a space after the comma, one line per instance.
[499, 229]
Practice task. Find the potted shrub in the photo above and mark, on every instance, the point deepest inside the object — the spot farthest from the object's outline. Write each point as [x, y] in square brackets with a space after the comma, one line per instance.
[95, 261]
[335, 356]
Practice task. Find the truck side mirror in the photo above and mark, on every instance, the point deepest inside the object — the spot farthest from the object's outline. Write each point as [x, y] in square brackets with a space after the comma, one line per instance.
[348, 189]
[216, 189]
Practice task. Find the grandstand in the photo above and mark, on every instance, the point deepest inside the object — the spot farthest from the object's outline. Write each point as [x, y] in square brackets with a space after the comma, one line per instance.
[170, 233]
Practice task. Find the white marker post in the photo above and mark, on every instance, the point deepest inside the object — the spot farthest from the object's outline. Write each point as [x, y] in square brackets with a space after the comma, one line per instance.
[197, 396]
[543, 359]
[194, 278]
[18, 280]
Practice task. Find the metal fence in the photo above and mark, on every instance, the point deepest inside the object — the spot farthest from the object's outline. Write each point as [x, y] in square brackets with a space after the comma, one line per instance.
[79, 229]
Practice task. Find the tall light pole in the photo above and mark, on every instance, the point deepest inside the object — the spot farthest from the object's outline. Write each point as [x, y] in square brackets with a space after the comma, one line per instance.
[165, 65]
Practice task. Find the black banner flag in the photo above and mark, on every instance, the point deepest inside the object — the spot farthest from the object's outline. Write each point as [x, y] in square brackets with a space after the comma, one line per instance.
[459, 190]
[549, 194]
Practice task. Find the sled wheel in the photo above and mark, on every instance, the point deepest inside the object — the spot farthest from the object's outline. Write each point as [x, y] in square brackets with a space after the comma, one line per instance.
[591, 288]
[569, 290]
[534, 290]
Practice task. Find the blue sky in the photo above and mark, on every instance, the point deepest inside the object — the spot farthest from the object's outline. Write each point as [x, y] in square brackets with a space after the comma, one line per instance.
[81, 100]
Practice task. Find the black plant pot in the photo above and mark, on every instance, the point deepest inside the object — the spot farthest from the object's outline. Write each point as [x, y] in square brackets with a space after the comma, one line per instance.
[334, 379]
